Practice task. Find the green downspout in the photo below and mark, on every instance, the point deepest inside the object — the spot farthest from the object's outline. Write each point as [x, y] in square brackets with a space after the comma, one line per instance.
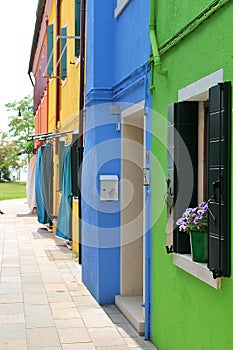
[154, 46]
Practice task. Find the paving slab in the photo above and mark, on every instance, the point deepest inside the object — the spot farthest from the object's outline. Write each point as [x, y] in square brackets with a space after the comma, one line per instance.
[43, 302]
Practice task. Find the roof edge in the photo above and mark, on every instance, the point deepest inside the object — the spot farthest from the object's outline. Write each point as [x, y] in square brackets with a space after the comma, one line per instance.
[39, 18]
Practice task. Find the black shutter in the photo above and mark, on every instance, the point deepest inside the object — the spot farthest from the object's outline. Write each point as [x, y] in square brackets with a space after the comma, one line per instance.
[50, 49]
[219, 179]
[182, 172]
[169, 198]
[63, 53]
[74, 164]
[77, 26]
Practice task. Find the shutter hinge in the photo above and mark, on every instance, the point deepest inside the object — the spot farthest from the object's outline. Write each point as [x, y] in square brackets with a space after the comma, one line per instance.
[216, 185]
[169, 197]
[169, 250]
[216, 273]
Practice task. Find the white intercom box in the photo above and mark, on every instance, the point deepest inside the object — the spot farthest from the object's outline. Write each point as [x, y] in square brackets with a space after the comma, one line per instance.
[108, 187]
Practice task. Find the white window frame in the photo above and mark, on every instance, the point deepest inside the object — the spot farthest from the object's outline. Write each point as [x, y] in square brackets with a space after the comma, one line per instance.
[198, 91]
[121, 4]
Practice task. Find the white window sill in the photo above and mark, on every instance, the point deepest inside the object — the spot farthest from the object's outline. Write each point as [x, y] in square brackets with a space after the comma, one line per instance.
[120, 7]
[198, 270]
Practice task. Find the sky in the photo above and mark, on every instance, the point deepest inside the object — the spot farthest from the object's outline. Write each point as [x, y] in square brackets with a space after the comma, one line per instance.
[17, 23]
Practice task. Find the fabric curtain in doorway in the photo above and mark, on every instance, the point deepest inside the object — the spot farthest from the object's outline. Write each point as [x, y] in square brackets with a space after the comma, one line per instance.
[43, 183]
[30, 186]
[63, 229]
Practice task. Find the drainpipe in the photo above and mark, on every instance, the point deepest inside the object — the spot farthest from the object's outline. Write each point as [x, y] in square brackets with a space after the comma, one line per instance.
[57, 96]
[58, 9]
[30, 77]
[155, 51]
[47, 85]
[81, 115]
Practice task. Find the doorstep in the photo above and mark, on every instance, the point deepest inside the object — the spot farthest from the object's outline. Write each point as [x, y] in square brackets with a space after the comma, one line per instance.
[131, 308]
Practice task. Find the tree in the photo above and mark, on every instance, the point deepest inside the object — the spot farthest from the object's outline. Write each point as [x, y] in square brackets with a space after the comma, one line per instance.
[15, 150]
[21, 125]
[7, 148]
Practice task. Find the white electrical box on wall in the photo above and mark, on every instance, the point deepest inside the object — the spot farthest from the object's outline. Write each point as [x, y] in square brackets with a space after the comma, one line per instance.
[108, 187]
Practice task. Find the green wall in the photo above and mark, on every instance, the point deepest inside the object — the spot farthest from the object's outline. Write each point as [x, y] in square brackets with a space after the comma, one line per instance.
[171, 16]
[186, 312]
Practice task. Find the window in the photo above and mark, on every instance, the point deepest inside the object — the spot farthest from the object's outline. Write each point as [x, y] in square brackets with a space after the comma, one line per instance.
[199, 167]
[63, 53]
[202, 149]
[77, 26]
[50, 50]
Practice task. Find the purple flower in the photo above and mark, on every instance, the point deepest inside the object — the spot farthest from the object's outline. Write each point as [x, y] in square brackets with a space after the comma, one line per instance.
[196, 220]
[182, 227]
[201, 205]
[205, 208]
[179, 222]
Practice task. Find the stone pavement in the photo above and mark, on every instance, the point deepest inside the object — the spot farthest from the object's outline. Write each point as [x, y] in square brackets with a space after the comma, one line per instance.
[43, 303]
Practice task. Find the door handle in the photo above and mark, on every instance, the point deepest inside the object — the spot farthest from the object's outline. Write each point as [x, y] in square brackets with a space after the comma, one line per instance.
[216, 185]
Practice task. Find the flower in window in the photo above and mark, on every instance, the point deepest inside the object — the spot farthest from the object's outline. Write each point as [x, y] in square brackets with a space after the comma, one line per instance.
[194, 219]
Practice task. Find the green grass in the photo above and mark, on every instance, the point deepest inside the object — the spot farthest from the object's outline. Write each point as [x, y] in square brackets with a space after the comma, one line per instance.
[12, 190]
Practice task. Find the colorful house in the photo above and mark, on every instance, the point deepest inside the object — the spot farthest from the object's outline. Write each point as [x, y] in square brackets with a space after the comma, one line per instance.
[115, 198]
[37, 66]
[192, 127]
[55, 67]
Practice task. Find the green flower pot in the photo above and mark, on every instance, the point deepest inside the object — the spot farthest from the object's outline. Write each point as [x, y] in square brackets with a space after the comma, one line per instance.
[199, 246]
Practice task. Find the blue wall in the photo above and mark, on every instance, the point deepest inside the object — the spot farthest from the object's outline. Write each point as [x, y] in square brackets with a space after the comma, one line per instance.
[131, 39]
[101, 220]
[117, 71]
[99, 48]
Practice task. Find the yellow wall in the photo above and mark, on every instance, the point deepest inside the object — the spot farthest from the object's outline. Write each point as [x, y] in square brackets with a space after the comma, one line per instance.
[75, 226]
[69, 100]
[69, 89]
[52, 104]
[52, 82]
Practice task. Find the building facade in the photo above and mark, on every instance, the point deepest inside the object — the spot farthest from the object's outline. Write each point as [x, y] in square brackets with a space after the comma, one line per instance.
[192, 117]
[157, 140]
[55, 68]
[115, 202]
